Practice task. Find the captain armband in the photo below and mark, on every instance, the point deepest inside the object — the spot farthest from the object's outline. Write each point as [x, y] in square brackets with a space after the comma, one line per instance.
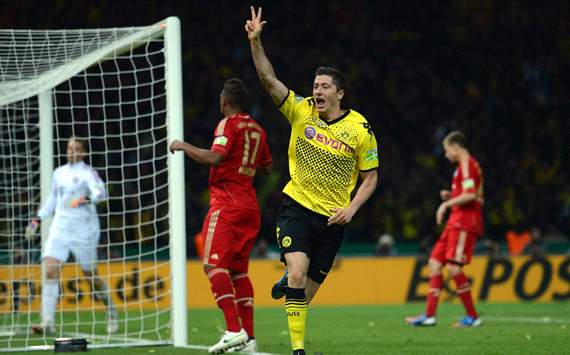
[468, 184]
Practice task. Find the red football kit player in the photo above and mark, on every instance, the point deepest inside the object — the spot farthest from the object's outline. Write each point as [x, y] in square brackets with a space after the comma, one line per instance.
[455, 246]
[233, 221]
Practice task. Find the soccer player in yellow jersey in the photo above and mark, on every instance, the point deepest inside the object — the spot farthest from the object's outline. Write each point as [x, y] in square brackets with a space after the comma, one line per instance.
[329, 148]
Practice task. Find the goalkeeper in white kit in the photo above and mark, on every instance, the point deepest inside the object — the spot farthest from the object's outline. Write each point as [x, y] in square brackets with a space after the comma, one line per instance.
[76, 188]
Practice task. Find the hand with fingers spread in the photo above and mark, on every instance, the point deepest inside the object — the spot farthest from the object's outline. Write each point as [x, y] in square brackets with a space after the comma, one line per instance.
[254, 26]
[341, 216]
[32, 228]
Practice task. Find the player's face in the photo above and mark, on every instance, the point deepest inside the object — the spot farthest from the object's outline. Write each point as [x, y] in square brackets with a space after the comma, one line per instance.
[326, 94]
[75, 151]
[450, 152]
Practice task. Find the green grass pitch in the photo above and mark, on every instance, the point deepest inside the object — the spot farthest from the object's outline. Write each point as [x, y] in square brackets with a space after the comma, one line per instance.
[508, 329]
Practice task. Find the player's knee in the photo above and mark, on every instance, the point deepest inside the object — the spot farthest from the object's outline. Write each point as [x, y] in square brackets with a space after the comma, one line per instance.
[296, 279]
[52, 273]
[434, 267]
[454, 269]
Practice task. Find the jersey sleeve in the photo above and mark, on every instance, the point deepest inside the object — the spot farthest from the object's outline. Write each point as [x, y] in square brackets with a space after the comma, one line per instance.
[49, 206]
[294, 106]
[469, 178]
[223, 137]
[96, 186]
[367, 151]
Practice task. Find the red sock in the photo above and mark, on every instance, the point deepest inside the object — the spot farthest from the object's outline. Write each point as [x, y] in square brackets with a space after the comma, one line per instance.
[464, 293]
[224, 295]
[244, 300]
[435, 285]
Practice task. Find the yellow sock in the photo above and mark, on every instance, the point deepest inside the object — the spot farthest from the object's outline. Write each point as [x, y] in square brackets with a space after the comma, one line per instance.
[296, 307]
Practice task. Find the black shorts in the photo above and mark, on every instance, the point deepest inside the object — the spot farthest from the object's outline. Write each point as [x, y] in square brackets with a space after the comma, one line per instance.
[300, 229]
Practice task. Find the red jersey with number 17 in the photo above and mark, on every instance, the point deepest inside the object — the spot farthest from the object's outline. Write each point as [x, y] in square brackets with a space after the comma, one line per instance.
[243, 144]
[467, 217]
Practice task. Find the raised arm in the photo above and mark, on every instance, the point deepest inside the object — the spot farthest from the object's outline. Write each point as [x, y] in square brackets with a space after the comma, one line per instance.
[276, 89]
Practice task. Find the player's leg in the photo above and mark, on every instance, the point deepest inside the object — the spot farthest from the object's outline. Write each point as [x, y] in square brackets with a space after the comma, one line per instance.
[102, 293]
[246, 230]
[50, 296]
[55, 253]
[295, 299]
[85, 252]
[295, 239]
[326, 245]
[435, 264]
[460, 254]
[218, 253]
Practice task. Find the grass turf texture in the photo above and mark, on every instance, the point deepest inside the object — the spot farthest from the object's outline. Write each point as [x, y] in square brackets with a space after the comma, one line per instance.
[510, 329]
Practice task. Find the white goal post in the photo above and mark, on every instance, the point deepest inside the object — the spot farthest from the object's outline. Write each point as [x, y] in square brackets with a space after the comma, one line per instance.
[120, 91]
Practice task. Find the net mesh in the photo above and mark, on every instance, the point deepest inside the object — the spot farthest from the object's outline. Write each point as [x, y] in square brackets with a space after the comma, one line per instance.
[108, 87]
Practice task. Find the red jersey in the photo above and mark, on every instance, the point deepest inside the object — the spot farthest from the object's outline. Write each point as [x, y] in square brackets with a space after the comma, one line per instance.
[468, 216]
[243, 144]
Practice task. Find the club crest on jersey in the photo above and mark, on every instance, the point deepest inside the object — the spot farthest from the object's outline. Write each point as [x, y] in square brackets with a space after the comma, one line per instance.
[316, 120]
[310, 132]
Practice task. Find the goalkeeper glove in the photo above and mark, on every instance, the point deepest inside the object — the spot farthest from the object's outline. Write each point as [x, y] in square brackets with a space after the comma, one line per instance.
[32, 228]
[80, 201]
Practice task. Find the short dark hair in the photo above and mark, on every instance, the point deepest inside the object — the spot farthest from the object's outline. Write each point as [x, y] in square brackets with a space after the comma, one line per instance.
[235, 92]
[456, 137]
[81, 140]
[337, 76]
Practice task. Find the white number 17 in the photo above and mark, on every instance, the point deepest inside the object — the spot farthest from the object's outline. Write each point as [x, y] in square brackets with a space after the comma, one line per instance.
[247, 157]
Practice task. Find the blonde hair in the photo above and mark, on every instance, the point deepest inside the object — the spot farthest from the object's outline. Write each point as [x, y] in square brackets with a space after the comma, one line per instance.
[456, 137]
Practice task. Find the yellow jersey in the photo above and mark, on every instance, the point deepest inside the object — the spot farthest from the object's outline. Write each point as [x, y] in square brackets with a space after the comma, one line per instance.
[325, 158]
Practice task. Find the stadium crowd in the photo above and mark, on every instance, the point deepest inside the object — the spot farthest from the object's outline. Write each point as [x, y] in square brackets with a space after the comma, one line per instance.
[416, 71]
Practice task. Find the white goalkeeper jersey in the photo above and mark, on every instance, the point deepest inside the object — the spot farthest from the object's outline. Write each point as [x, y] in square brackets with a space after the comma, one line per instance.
[72, 181]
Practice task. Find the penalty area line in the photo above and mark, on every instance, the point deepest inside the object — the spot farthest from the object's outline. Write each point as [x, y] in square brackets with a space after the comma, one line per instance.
[539, 320]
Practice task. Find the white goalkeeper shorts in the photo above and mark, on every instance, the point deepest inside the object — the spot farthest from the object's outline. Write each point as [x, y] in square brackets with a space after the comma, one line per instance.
[81, 241]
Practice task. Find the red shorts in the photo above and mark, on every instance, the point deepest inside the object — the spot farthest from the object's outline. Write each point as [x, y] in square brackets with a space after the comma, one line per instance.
[230, 234]
[454, 245]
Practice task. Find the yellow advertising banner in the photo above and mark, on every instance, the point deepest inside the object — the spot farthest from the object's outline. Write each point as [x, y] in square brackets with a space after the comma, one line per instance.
[392, 280]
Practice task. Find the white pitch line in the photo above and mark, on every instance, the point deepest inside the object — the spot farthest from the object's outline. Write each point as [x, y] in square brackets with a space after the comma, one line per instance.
[204, 347]
[143, 342]
[540, 320]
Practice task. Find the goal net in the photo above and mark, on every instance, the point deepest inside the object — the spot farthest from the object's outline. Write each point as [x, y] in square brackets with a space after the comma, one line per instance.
[120, 91]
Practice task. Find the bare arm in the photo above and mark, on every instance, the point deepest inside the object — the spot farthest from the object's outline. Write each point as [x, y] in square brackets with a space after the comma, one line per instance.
[276, 89]
[199, 155]
[463, 198]
[365, 190]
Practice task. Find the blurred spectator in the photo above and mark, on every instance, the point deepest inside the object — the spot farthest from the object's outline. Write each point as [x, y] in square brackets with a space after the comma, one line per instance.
[536, 246]
[490, 247]
[385, 246]
[517, 241]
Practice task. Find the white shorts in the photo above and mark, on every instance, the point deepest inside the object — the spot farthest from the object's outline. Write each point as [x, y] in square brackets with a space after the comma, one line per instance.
[82, 242]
